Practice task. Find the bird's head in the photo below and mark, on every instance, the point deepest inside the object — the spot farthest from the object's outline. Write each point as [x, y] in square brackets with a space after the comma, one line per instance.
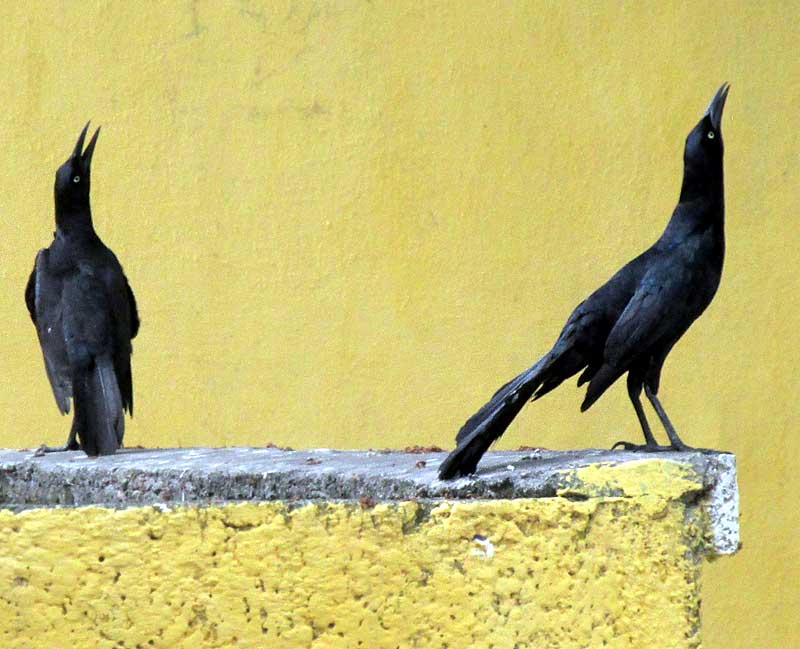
[704, 148]
[73, 177]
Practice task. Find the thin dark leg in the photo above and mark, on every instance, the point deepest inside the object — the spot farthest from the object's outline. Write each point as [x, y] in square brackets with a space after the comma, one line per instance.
[676, 442]
[71, 445]
[634, 392]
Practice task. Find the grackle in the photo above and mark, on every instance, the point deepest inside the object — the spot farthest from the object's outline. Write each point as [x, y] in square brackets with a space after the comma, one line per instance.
[632, 322]
[85, 315]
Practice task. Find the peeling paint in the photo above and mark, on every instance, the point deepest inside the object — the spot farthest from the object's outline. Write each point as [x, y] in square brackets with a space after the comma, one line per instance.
[723, 507]
[485, 549]
[664, 478]
[654, 481]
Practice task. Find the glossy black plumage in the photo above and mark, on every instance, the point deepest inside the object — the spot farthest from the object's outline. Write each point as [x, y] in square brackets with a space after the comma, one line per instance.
[85, 315]
[630, 324]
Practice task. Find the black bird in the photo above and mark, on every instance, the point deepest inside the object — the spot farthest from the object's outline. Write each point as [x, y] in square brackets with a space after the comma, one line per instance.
[632, 322]
[85, 315]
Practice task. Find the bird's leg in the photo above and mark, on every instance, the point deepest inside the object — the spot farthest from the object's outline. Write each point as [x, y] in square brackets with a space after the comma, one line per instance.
[675, 441]
[71, 445]
[650, 445]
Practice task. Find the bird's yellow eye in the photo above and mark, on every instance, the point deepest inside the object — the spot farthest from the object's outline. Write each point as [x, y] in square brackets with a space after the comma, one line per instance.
[711, 135]
[76, 179]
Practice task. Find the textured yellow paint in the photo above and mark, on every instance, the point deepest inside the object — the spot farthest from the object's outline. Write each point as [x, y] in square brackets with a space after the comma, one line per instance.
[348, 222]
[602, 572]
[660, 478]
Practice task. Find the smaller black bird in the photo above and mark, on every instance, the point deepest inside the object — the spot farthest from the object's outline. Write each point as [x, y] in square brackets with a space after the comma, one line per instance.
[85, 315]
[630, 324]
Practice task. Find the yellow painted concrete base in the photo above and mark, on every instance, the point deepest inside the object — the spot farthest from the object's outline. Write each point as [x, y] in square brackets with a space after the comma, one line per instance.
[552, 572]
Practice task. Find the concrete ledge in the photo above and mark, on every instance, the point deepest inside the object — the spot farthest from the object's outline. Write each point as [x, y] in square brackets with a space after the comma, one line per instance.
[224, 475]
[332, 550]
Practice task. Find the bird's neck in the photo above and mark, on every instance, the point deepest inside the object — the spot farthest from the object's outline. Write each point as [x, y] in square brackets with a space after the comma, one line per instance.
[75, 222]
[701, 208]
[702, 185]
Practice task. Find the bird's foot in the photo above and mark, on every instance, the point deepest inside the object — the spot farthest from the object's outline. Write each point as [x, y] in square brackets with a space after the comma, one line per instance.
[642, 448]
[44, 449]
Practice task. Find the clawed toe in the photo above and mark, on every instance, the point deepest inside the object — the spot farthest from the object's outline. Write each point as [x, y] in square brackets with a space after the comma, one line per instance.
[44, 449]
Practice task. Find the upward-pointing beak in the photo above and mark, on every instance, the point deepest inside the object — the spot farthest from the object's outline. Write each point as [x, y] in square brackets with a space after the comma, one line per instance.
[87, 155]
[79, 146]
[714, 110]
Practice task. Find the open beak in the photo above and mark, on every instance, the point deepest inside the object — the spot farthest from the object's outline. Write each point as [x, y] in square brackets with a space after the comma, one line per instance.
[79, 146]
[85, 156]
[714, 110]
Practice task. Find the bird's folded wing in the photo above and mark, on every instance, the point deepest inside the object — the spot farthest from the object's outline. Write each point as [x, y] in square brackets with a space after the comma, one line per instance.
[124, 323]
[43, 297]
[656, 310]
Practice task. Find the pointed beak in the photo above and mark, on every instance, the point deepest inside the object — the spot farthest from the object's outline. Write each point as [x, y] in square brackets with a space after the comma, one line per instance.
[714, 110]
[79, 146]
[87, 155]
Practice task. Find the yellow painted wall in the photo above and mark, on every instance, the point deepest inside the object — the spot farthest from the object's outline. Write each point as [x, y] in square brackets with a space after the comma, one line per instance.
[615, 573]
[347, 223]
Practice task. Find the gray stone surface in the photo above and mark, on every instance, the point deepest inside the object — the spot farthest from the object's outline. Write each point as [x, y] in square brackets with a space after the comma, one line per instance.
[202, 476]
[189, 475]
[723, 505]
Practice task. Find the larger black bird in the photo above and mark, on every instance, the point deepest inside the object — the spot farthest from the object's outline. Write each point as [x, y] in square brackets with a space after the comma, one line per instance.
[85, 315]
[632, 322]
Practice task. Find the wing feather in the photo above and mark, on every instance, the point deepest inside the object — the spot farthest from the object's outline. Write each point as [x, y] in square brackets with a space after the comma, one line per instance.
[43, 298]
[651, 316]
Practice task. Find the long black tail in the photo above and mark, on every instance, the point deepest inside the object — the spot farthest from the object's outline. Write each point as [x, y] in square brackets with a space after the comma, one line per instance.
[98, 409]
[491, 421]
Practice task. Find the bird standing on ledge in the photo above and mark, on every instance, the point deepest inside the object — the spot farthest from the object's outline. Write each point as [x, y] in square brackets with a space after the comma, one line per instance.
[85, 315]
[632, 322]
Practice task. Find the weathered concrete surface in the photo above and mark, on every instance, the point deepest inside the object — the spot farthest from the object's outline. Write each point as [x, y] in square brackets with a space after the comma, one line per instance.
[222, 475]
[213, 548]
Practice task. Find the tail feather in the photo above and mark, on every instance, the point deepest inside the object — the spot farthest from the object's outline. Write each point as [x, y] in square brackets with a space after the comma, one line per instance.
[599, 383]
[100, 405]
[491, 421]
[511, 392]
